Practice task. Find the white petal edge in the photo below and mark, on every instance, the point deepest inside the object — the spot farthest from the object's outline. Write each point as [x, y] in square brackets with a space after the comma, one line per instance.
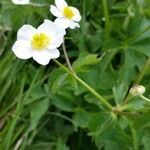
[62, 22]
[56, 42]
[77, 16]
[61, 4]
[51, 29]
[54, 53]
[22, 49]
[74, 25]
[59, 31]
[44, 57]
[55, 11]
[65, 23]
[26, 32]
[21, 2]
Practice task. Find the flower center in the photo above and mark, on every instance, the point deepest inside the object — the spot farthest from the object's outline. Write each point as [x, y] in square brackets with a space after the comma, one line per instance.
[40, 41]
[68, 13]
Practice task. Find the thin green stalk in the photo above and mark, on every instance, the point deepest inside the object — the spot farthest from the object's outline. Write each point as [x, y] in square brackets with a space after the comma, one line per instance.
[38, 5]
[145, 98]
[66, 56]
[107, 21]
[63, 117]
[30, 4]
[90, 89]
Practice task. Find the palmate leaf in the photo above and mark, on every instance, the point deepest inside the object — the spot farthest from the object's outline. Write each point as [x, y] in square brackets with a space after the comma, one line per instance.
[142, 46]
[100, 122]
[141, 40]
[82, 118]
[96, 123]
[113, 138]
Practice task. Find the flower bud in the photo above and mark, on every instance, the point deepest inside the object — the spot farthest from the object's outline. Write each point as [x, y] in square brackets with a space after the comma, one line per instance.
[137, 90]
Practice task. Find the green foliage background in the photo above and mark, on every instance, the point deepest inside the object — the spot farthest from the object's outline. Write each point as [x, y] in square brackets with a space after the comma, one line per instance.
[44, 108]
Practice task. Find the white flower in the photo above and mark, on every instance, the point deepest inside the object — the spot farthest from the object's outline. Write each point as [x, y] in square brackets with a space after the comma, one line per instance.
[21, 2]
[137, 90]
[40, 43]
[67, 16]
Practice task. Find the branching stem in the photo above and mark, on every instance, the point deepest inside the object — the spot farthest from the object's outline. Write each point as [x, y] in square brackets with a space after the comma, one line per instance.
[90, 89]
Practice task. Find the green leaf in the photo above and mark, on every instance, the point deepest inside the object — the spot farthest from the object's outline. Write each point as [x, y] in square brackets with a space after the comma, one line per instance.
[82, 118]
[84, 61]
[36, 93]
[64, 100]
[38, 109]
[60, 145]
[100, 122]
[125, 76]
[113, 137]
[142, 121]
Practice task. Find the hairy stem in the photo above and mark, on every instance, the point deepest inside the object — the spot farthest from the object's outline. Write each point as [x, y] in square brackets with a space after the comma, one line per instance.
[90, 89]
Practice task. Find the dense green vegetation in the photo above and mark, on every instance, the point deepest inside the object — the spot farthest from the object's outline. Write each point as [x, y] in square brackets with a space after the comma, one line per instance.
[47, 108]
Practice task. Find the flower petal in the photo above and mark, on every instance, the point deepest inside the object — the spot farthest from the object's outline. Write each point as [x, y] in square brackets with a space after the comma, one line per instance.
[74, 25]
[56, 42]
[61, 4]
[54, 53]
[43, 57]
[22, 49]
[26, 32]
[55, 11]
[62, 22]
[51, 29]
[66, 23]
[77, 16]
[21, 2]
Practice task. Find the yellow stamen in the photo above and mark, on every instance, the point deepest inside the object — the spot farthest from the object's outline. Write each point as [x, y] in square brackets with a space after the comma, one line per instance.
[40, 41]
[68, 13]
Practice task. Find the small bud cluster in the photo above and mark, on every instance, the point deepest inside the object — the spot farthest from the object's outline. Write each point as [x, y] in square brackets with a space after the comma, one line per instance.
[137, 90]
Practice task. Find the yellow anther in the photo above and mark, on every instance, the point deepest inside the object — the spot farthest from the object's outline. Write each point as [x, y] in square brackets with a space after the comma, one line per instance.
[40, 41]
[68, 13]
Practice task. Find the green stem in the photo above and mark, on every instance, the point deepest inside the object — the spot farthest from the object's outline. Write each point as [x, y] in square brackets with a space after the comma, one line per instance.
[90, 89]
[66, 56]
[30, 4]
[145, 98]
[63, 117]
[107, 21]
[38, 5]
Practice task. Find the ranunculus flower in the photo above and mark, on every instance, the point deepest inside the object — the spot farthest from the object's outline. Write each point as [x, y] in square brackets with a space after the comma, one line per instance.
[40, 43]
[67, 16]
